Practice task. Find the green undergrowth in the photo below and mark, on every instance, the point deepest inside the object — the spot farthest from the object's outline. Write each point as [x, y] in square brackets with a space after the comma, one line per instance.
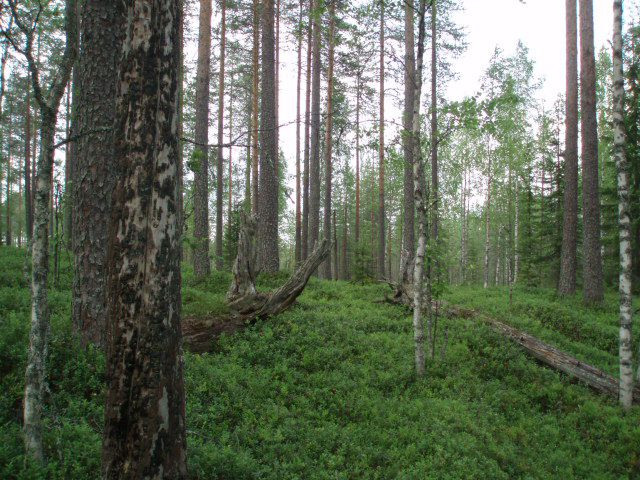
[589, 333]
[327, 391]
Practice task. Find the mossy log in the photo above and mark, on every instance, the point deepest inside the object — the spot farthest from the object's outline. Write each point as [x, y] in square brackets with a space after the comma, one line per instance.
[245, 303]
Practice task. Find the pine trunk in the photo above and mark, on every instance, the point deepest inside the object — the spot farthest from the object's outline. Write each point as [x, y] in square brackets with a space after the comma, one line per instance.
[592, 269]
[268, 257]
[144, 435]
[314, 161]
[358, 87]
[201, 261]
[220, 150]
[328, 143]
[307, 113]
[381, 212]
[94, 175]
[255, 134]
[298, 246]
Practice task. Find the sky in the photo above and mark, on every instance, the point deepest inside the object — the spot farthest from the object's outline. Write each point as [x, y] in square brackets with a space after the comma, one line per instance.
[539, 24]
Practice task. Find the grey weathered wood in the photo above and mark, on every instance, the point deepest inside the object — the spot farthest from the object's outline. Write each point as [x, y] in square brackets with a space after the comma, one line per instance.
[245, 303]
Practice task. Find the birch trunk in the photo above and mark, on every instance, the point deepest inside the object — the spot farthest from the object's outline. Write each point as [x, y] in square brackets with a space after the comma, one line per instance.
[418, 174]
[408, 225]
[624, 219]
[38, 336]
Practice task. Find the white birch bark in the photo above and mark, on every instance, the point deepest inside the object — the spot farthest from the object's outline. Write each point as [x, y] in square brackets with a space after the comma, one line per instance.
[421, 208]
[624, 221]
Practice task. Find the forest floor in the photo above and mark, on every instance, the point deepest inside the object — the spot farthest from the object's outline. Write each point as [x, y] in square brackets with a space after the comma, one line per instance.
[327, 390]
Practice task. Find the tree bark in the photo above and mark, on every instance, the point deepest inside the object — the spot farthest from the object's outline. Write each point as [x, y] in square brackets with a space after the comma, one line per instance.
[255, 52]
[268, 256]
[381, 223]
[305, 180]
[624, 218]
[201, 261]
[592, 269]
[94, 173]
[8, 230]
[434, 124]
[487, 238]
[220, 154]
[28, 168]
[144, 435]
[298, 246]
[40, 325]
[568, 266]
[358, 93]
[328, 141]
[421, 208]
[408, 227]
[314, 161]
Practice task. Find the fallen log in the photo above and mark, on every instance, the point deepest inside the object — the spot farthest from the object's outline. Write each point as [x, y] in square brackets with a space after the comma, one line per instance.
[546, 354]
[245, 303]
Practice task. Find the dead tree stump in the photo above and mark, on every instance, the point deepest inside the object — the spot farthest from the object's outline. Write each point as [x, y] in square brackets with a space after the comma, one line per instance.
[245, 303]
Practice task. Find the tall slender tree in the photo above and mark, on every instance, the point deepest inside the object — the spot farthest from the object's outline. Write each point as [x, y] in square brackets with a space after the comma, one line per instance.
[314, 160]
[48, 99]
[268, 256]
[307, 127]
[434, 124]
[201, 261]
[298, 246]
[408, 226]
[220, 155]
[93, 175]
[144, 435]
[381, 209]
[420, 203]
[255, 64]
[328, 142]
[592, 270]
[568, 265]
[27, 168]
[624, 218]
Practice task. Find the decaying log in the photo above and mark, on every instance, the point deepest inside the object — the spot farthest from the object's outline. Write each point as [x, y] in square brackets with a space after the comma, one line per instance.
[550, 356]
[245, 303]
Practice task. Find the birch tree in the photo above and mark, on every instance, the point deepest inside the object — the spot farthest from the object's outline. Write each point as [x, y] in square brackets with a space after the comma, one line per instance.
[624, 219]
[48, 99]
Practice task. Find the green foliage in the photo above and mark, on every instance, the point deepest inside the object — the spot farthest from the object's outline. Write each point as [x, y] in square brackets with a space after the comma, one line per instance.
[327, 390]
